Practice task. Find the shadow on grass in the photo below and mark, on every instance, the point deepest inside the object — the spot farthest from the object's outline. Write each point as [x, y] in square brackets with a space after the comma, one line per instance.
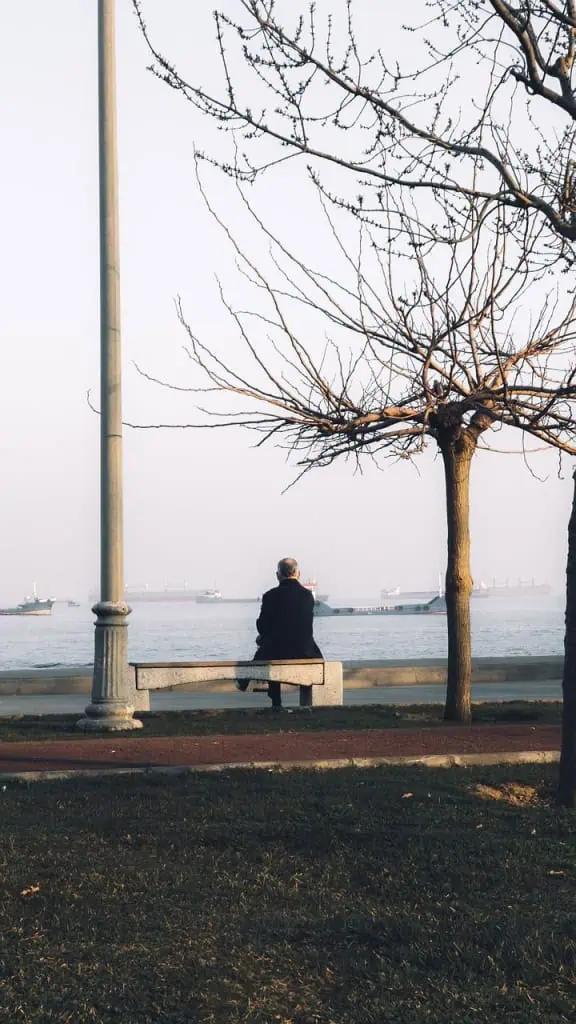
[351, 897]
[251, 721]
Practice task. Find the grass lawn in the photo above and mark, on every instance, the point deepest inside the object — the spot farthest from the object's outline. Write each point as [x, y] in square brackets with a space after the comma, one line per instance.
[199, 723]
[348, 897]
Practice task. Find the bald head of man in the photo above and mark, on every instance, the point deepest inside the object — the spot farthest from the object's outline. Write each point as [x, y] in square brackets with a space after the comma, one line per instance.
[288, 569]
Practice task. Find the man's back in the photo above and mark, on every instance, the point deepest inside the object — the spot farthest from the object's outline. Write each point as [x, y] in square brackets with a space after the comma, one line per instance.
[286, 621]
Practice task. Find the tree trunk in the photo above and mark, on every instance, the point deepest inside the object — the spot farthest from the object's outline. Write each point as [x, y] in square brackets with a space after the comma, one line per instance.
[567, 778]
[457, 451]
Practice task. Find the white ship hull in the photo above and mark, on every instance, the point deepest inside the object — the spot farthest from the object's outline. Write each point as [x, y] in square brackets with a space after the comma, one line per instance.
[437, 606]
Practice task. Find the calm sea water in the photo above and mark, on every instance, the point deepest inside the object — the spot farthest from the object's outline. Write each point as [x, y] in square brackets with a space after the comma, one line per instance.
[169, 632]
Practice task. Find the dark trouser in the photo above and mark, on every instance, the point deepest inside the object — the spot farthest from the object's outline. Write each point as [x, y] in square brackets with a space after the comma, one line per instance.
[275, 694]
[274, 691]
[268, 654]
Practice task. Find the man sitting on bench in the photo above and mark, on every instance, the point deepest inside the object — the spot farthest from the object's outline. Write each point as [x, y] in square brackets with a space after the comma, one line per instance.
[285, 625]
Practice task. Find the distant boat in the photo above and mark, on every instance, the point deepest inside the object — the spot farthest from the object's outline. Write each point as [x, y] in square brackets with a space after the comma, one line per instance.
[312, 586]
[422, 596]
[418, 595]
[521, 588]
[437, 606]
[145, 595]
[426, 595]
[209, 597]
[169, 595]
[33, 605]
[215, 596]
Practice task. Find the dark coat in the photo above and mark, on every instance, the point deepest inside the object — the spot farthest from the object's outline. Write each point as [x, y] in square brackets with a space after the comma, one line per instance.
[285, 624]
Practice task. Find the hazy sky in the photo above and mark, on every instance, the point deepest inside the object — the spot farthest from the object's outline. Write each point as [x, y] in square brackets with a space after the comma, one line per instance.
[202, 507]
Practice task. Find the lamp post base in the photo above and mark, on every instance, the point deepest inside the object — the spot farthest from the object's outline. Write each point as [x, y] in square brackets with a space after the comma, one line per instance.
[111, 709]
[109, 718]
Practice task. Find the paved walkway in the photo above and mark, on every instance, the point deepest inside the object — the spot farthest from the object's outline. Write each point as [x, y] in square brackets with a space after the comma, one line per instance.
[57, 703]
[139, 751]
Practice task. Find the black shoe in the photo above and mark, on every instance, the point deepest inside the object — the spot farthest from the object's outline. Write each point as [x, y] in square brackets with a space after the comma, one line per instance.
[277, 707]
[242, 684]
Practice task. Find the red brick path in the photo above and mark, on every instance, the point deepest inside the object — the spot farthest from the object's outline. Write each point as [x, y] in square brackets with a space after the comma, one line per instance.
[142, 751]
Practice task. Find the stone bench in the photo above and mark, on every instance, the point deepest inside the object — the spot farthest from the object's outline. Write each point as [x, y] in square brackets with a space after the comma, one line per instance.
[319, 682]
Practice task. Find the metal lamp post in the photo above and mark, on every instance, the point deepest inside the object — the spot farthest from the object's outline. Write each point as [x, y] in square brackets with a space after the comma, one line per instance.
[111, 708]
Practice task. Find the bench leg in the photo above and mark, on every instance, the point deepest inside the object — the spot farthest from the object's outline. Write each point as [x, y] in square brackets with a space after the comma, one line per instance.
[140, 699]
[329, 695]
[306, 695]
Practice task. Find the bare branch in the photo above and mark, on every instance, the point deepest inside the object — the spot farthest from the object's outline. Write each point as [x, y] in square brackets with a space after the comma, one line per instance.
[425, 345]
[387, 126]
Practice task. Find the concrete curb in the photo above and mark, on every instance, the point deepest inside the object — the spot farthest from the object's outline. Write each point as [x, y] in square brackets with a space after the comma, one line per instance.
[427, 761]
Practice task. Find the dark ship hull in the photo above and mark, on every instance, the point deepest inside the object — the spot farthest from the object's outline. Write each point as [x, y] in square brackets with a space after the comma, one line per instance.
[31, 606]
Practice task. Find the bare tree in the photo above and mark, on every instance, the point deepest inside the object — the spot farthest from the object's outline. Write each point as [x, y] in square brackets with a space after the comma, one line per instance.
[435, 345]
[567, 780]
[486, 110]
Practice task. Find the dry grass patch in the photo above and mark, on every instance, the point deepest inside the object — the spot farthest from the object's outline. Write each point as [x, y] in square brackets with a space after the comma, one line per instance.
[516, 794]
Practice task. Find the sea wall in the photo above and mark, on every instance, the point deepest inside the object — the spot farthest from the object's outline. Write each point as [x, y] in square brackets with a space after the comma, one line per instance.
[426, 671]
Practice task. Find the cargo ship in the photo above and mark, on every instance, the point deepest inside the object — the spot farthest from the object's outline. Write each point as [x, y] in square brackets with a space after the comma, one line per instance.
[415, 595]
[215, 596]
[146, 595]
[33, 605]
[427, 595]
[312, 586]
[521, 588]
[421, 596]
[437, 606]
[167, 595]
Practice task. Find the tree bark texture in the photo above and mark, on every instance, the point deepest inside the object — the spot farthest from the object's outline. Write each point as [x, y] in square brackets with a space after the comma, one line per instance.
[567, 778]
[457, 451]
